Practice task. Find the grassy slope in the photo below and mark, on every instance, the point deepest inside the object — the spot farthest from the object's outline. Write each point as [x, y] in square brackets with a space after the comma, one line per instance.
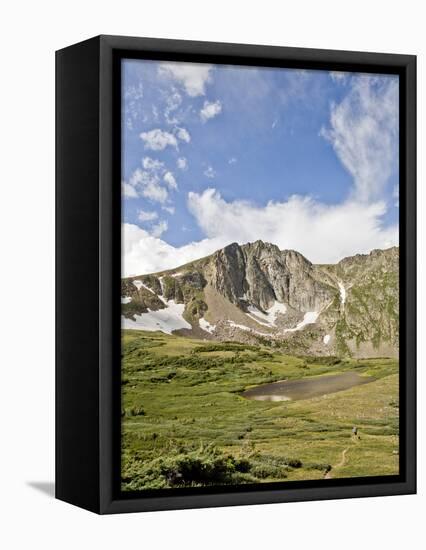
[182, 413]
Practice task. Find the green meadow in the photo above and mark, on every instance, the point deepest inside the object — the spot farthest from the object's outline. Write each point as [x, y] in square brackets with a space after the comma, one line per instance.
[185, 423]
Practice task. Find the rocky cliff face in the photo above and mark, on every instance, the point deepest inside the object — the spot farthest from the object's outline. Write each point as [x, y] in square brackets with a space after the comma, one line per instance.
[260, 274]
[258, 292]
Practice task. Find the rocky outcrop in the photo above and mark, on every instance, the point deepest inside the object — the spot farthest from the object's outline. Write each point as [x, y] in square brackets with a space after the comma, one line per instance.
[260, 274]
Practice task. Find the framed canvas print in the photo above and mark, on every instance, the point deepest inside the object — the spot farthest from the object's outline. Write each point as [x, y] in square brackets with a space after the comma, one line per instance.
[235, 274]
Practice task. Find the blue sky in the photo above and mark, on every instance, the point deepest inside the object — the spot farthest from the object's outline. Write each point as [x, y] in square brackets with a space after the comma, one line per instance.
[214, 154]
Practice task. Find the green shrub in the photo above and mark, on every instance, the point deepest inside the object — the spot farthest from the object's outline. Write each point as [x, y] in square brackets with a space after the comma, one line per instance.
[203, 466]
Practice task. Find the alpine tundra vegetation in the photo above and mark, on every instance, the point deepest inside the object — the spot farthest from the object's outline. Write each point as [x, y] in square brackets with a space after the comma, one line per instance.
[206, 348]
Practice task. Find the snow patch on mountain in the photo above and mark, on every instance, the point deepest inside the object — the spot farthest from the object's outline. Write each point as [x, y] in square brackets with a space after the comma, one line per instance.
[326, 339]
[165, 320]
[342, 293]
[269, 317]
[126, 299]
[247, 329]
[139, 284]
[309, 318]
[205, 325]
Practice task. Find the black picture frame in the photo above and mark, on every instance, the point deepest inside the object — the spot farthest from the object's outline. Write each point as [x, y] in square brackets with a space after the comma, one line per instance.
[88, 271]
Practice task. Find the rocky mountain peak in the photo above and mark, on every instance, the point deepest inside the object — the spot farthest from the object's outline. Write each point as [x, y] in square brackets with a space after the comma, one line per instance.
[257, 290]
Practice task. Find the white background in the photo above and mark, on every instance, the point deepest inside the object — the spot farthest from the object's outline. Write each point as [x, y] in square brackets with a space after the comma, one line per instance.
[30, 33]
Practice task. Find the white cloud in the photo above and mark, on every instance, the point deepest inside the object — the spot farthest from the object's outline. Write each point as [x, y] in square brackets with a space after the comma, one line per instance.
[192, 76]
[152, 164]
[159, 228]
[183, 134]
[144, 253]
[169, 209]
[154, 192]
[128, 191]
[170, 180]
[232, 160]
[210, 110]
[209, 172]
[182, 163]
[323, 233]
[364, 133]
[147, 184]
[145, 216]
[157, 139]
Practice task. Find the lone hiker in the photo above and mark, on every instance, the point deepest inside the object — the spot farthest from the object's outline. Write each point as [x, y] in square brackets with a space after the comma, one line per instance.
[355, 433]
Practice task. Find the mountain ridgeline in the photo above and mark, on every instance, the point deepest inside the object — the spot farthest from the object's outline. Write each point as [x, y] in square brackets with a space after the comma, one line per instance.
[258, 293]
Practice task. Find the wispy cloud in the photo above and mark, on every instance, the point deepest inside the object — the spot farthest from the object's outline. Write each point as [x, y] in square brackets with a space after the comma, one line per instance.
[159, 228]
[133, 96]
[209, 172]
[147, 184]
[363, 132]
[173, 102]
[210, 110]
[145, 216]
[147, 181]
[192, 76]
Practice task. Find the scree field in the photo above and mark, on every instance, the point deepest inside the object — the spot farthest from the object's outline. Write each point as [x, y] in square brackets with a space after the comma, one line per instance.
[186, 424]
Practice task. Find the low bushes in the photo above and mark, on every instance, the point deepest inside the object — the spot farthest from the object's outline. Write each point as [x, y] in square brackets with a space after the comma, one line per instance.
[187, 468]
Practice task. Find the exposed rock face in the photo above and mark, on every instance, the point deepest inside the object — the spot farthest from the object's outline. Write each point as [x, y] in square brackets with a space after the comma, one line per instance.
[260, 274]
[257, 291]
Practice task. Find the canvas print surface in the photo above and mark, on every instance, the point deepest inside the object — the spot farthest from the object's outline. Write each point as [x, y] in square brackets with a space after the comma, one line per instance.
[260, 275]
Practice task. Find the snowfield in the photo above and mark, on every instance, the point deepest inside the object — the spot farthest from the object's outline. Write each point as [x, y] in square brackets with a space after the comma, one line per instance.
[166, 320]
[269, 318]
[205, 325]
[326, 339]
[309, 318]
[126, 299]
